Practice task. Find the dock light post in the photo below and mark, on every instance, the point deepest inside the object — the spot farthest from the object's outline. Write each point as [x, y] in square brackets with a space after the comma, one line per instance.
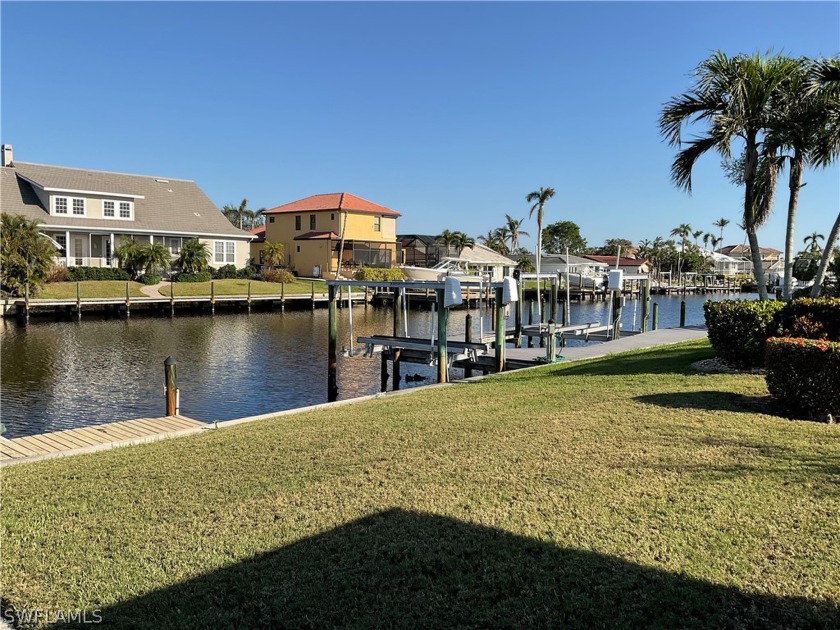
[170, 387]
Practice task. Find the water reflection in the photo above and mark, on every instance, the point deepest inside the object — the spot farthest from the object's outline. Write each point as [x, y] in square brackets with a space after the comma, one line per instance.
[58, 375]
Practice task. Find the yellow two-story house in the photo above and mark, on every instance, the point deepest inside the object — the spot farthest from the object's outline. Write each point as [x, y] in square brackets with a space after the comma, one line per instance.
[320, 230]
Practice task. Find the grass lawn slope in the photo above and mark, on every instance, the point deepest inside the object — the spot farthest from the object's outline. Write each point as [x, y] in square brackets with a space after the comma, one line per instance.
[626, 492]
[240, 287]
[89, 289]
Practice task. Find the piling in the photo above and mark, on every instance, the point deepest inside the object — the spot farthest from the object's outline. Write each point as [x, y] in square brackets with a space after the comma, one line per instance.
[517, 309]
[172, 299]
[127, 301]
[332, 354]
[249, 296]
[552, 341]
[468, 339]
[530, 321]
[682, 314]
[331, 298]
[441, 340]
[655, 322]
[645, 305]
[399, 296]
[26, 301]
[500, 331]
[617, 299]
[170, 386]
[383, 372]
[282, 296]
[554, 299]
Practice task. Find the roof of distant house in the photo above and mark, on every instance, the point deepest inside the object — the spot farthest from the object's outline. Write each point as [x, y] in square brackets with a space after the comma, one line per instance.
[176, 205]
[333, 201]
[622, 262]
[744, 250]
[479, 253]
[259, 232]
[573, 260]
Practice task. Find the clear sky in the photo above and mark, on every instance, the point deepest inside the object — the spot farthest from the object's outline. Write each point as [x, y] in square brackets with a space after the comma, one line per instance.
[448, 113]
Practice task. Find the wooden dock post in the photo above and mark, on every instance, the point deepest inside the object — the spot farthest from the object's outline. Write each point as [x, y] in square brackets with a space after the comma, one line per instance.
[249, 296]
[616, 323]
[26, 301]
[468, 339]
[366, 297]
[555, 297]
[330, 298]
[213, 297]
[78, 300]
[468, 298]
[441, 340]
[171, 386]
[500, 331]
[332, 354]
[172, 299]
[530, 321]
[682, 314]
[655, 322]
[383, 372]
[645, 305]
[552, 341]
[399, 296]
[282, 296]
[517, 310]
[127, 301]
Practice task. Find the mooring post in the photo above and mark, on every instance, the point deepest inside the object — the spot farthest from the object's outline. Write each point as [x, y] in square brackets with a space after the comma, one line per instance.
[332, 354]
[172, 299]
[552, 341]
[617, 299]
[530, 321]
[468, 339]
[553, 295]
[249, 296]
[682, 314]
[127, 301]
[78, 300]
[655, 322]
[213, 297]
[517, 310]
[282, 296]
[170, 386]
[383, 372]
[26, 301]
[331, 298]
[399, 296]
[468, 298]
[645, 305]
[366, 297]
[500, 331]
[441, 340]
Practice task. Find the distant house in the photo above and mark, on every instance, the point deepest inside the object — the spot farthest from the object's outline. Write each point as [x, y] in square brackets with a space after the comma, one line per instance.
[483, 258]
[744, 252]
[555, 263]
[318, 229]
[772, 261]
[89, 212]
[257, 244]
[423, 250]
[628, 265]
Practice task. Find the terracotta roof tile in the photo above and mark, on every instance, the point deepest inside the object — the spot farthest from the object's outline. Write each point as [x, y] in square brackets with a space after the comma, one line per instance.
[333, 201]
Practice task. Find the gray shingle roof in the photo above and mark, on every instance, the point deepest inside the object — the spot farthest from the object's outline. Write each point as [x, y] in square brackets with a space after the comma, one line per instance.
[167, 205]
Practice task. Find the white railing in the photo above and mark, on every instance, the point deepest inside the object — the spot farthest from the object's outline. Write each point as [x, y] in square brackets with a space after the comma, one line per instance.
[84, 261]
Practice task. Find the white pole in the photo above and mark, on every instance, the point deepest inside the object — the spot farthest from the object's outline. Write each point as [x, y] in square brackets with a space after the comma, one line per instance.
[568, 282]
[350, 314]
[405, 313]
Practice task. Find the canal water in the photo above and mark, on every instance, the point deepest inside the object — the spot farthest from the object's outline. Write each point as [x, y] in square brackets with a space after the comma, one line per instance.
[60, 375]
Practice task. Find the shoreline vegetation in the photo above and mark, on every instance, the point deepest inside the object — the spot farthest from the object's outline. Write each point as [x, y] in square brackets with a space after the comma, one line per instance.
[629, 490]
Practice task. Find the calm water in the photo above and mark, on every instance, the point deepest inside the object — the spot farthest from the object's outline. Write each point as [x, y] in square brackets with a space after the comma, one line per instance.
[58, 375]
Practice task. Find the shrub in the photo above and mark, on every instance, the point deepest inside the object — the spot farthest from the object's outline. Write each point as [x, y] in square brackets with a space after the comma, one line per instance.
[150, 278]
[59, 273]
[739, 329]
[80, 274]
[227, 272]
[247, 273]
[803, 377]
[812, 318]
[277, 275]
[379, 275]
[202, 276]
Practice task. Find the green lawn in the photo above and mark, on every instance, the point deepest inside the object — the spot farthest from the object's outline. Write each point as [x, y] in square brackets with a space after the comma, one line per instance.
[89, 289]
[240, 287]
[625, 492]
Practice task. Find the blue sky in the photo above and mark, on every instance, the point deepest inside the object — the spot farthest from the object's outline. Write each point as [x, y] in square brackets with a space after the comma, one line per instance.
[448, 113]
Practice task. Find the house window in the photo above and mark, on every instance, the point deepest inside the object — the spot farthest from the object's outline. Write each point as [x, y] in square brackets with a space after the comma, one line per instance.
[332, 217]
[271, 219]
[173, 245]
[297, 223]
[79, 207]
[377, 224]
[61, 205]
[61, 239]
[117, 209]
[298, 249]
[224, 252]
[311, 221]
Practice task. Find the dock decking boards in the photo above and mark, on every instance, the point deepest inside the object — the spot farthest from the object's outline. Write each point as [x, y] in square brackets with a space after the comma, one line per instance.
[72, 439]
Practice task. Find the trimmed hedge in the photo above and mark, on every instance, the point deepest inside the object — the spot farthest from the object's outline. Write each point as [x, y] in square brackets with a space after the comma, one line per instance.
[80, 274]
[803, 377]
[201, 276]
[379, 275]
[739, 329]
[226, 272]
[812, 318]
[149, 278]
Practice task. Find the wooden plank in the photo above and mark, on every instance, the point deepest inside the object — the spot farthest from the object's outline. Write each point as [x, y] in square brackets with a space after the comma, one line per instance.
[119, 431]
[147, 425]
[180, 422]
[27, 442]
[82, 438]
[167, 423]
[67, 436]
[95, 435]
[15, 450]
[44, 443]
[50, 438]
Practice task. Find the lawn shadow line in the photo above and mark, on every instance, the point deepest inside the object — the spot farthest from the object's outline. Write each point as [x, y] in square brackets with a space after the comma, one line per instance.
[710, 400]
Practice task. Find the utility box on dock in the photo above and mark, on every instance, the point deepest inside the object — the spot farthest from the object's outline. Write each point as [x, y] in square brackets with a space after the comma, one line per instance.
[615, 280]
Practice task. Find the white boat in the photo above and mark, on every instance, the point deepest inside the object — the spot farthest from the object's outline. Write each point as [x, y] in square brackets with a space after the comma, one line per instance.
[589, 282]
[446, 267]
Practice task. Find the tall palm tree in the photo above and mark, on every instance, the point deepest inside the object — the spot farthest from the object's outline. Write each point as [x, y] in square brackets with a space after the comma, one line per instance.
[682, 232]
[155, 257]
[490, 240]
[706, 238]
[513, 226]
[697, 234]
[462, 241]
[813, 239]
[446, 238]
[734, 96]
[241, 216]
[721, 223]
[194, 256]
[503, 235]
[538, 198]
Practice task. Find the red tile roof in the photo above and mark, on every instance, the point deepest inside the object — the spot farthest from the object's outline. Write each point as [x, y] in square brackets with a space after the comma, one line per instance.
[311, 236]
[333, 201]
[622, 262]
[259, 232]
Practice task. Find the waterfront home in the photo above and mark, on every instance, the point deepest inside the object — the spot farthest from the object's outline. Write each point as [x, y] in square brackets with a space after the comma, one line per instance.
[318, 230]
[633, 266]
[559, 263]
[88, 212]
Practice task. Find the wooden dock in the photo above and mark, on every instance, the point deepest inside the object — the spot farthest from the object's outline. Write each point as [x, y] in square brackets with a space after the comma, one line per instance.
[73, 440]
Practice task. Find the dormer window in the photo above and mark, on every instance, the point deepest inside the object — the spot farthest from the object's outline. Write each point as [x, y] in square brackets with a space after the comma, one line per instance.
[112, 209]
[74, 206]
[60, 205]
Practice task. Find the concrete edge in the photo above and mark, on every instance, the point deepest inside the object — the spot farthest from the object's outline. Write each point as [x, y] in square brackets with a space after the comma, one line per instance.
[212, 426]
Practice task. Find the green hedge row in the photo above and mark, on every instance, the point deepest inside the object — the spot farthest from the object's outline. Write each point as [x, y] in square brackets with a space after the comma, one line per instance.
[201, 276]
[739, 329]
[379, 275]
[230, 272]
[803, 377]
[149, 278]
[80, 274]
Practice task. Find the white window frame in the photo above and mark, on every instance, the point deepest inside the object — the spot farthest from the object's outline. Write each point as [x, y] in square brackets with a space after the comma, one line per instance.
[69, 208]
[377, 223]
[118, 209]
[65, 211]
[228, 253]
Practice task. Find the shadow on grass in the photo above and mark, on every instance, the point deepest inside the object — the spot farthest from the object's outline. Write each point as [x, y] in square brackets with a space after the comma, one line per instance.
[710, 401]
[405, 569]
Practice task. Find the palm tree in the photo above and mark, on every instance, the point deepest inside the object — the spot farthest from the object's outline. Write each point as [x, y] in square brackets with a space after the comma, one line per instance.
[697, 234]
[461, 241]
[241, 216]
[129, 255]
[721, 223]
[513, 226]
[716, 241]
[503, 235]
[682, 232]
[194, 256]
[538, 198]
[447, 239]
[490, 240]
[155, 257]
[273, 254]
[735, 97]
[708, 236]
[813, 239]
[26, 256]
